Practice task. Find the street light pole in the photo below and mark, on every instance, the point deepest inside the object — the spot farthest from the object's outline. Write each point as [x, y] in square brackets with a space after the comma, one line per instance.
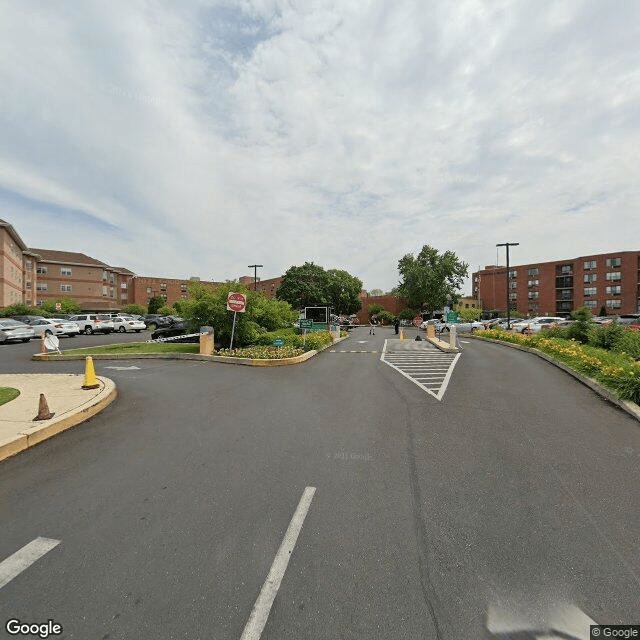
[255, 274]
[507, 245]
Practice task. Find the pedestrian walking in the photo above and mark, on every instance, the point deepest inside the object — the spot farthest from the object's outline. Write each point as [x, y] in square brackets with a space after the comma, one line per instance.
[396, 325]
[372, 328]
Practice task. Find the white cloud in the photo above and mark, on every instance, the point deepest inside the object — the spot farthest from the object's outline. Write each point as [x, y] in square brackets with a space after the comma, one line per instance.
[216, 134]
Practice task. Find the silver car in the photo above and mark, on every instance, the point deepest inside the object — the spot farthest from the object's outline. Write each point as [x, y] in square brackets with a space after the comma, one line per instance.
[13, 330]
[54, 327]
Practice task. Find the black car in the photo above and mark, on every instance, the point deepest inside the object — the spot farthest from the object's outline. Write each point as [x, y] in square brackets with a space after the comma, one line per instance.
[176, 328]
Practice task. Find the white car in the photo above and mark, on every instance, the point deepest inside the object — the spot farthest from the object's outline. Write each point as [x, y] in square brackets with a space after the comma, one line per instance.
[53, 327]
[13, 330]
[127, 323]
[536, 324]
[93, 323]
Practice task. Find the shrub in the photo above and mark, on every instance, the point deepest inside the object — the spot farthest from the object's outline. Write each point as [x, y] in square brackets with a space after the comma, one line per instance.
[385, 316]
[606, 336]
[133, 309]
[579, 330]
[20, 310]
[290, 336]
[318, 339]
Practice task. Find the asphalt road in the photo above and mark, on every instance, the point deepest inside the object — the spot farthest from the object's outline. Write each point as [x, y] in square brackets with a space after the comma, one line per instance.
[517, 490]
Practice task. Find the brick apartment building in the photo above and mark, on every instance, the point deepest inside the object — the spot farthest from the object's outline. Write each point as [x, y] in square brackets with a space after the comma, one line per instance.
[609, 280]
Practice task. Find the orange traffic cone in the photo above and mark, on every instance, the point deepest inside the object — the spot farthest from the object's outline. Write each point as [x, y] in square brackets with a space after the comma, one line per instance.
[43, 409]
[90, 379]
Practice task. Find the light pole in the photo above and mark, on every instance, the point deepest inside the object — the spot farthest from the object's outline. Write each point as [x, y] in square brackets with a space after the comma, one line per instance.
[255, 274]
[508, 244]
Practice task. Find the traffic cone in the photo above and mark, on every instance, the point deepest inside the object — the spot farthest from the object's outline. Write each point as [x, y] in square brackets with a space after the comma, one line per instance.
[43, 409]
[529, 331]
[90, 380]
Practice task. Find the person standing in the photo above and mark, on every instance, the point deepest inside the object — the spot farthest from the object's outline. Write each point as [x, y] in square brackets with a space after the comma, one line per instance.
[372, 328]
[396, 325]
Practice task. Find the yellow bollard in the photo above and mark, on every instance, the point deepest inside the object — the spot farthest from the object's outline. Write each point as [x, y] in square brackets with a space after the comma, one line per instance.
[90, 379]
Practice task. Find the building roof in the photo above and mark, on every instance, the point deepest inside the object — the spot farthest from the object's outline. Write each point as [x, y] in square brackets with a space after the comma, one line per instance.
[69, 257]
[14, 234]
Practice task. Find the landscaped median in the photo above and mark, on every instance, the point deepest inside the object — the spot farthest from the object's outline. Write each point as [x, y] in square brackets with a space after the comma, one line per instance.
[616, 371]
[257, 356]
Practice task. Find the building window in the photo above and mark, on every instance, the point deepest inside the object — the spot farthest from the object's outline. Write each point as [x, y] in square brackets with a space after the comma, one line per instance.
[104, 291]
[590, 264]
[149, 290]
[104, 275]
[123, 296]
[565, 294]
[112, 278]
[41, 286]
[112, 292]
[614, 262]
[616, 291]
[163, 286]
[533, 295]
[123, 285]
[28, 265]
[513, 285]
[564, 282]
[533, 283]
[164, 297]
[513, 296]
[65, 287]
[614, 304]
[65, 271]
[183, 287]
[590, 277]
[41, 270]
[513, 273]
[28, 284]
[564, 306]
[534, 271]
[591, 304]
[614, 275]
[591, 291]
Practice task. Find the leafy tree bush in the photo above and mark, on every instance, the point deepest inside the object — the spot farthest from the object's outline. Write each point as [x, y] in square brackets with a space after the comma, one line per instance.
[165, 310]
[290, 336]
[20, 310]
[69, 305]
[375, 309]
[155, 304]
[134, 309]
[408, 314]
[579, 330]
[318, 339]
[209, 308]
[385, 316]
[469, 314]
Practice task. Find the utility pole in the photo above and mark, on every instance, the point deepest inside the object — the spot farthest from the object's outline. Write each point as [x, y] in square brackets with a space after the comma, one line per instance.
[508, 244]
[255, 274]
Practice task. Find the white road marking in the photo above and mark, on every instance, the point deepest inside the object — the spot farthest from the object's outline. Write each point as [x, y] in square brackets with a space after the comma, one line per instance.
[15, 564]
[262, 607]
[124, 368]
[464, 342]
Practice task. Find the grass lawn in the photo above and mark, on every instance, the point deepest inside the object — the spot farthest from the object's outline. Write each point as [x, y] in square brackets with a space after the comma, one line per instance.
[135, 347]
[7, 394]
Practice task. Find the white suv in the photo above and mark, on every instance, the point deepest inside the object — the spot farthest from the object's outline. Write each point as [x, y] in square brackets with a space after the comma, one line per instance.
[93, 323]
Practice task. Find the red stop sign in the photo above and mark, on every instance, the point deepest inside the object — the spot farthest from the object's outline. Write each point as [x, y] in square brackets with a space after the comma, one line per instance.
[236, 302]
[417, 321]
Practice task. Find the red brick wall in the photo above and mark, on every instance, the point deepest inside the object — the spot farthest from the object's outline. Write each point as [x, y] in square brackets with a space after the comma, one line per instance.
[392, 304]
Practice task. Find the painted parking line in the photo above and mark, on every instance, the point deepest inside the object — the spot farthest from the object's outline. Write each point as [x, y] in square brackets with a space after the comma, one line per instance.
[258, 618]
[22, 559]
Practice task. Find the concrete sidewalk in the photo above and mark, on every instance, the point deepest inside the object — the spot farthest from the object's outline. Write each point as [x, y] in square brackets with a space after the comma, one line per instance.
[70, 403]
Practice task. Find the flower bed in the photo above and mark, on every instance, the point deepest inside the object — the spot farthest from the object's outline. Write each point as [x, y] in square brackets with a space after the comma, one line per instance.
[261, 353]
[616, 371]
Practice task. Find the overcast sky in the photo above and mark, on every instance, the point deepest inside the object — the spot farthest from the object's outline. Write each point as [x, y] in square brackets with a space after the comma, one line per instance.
[191, 138]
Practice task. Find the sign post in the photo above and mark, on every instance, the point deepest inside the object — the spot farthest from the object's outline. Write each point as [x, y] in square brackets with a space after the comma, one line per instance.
[236, 302]
[305, 324]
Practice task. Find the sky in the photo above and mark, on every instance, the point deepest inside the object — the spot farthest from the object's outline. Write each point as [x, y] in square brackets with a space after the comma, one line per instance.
[193, 138]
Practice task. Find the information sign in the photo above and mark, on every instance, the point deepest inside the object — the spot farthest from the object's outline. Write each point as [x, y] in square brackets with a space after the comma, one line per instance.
[452, 316]
[306, 324]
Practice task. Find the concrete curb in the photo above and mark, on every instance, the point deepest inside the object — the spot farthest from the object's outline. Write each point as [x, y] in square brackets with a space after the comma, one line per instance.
[630, 407]
[48, 428]
[251, 362]
[442, 345]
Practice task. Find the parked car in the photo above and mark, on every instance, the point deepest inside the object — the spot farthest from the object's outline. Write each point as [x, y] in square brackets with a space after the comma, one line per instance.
[176, 328]
[127, 323]
[70, 328]
[627, 319]
[26, 319]
[11, 329]
[537, 324]
[93, 323]
[51, 327]
[155, 321]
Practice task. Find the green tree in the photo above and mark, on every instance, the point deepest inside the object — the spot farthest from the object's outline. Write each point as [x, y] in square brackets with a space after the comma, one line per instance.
[20, 310]
[342, 292]
[166, 310]
[408, 314]
[582, 326]
[133, 309]
[375, 309]
[155, 304]
[469, 314]
[69, 305]
[430, 280]
[304, 286]
[376, 292]
[209, 308]
[386, 316]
